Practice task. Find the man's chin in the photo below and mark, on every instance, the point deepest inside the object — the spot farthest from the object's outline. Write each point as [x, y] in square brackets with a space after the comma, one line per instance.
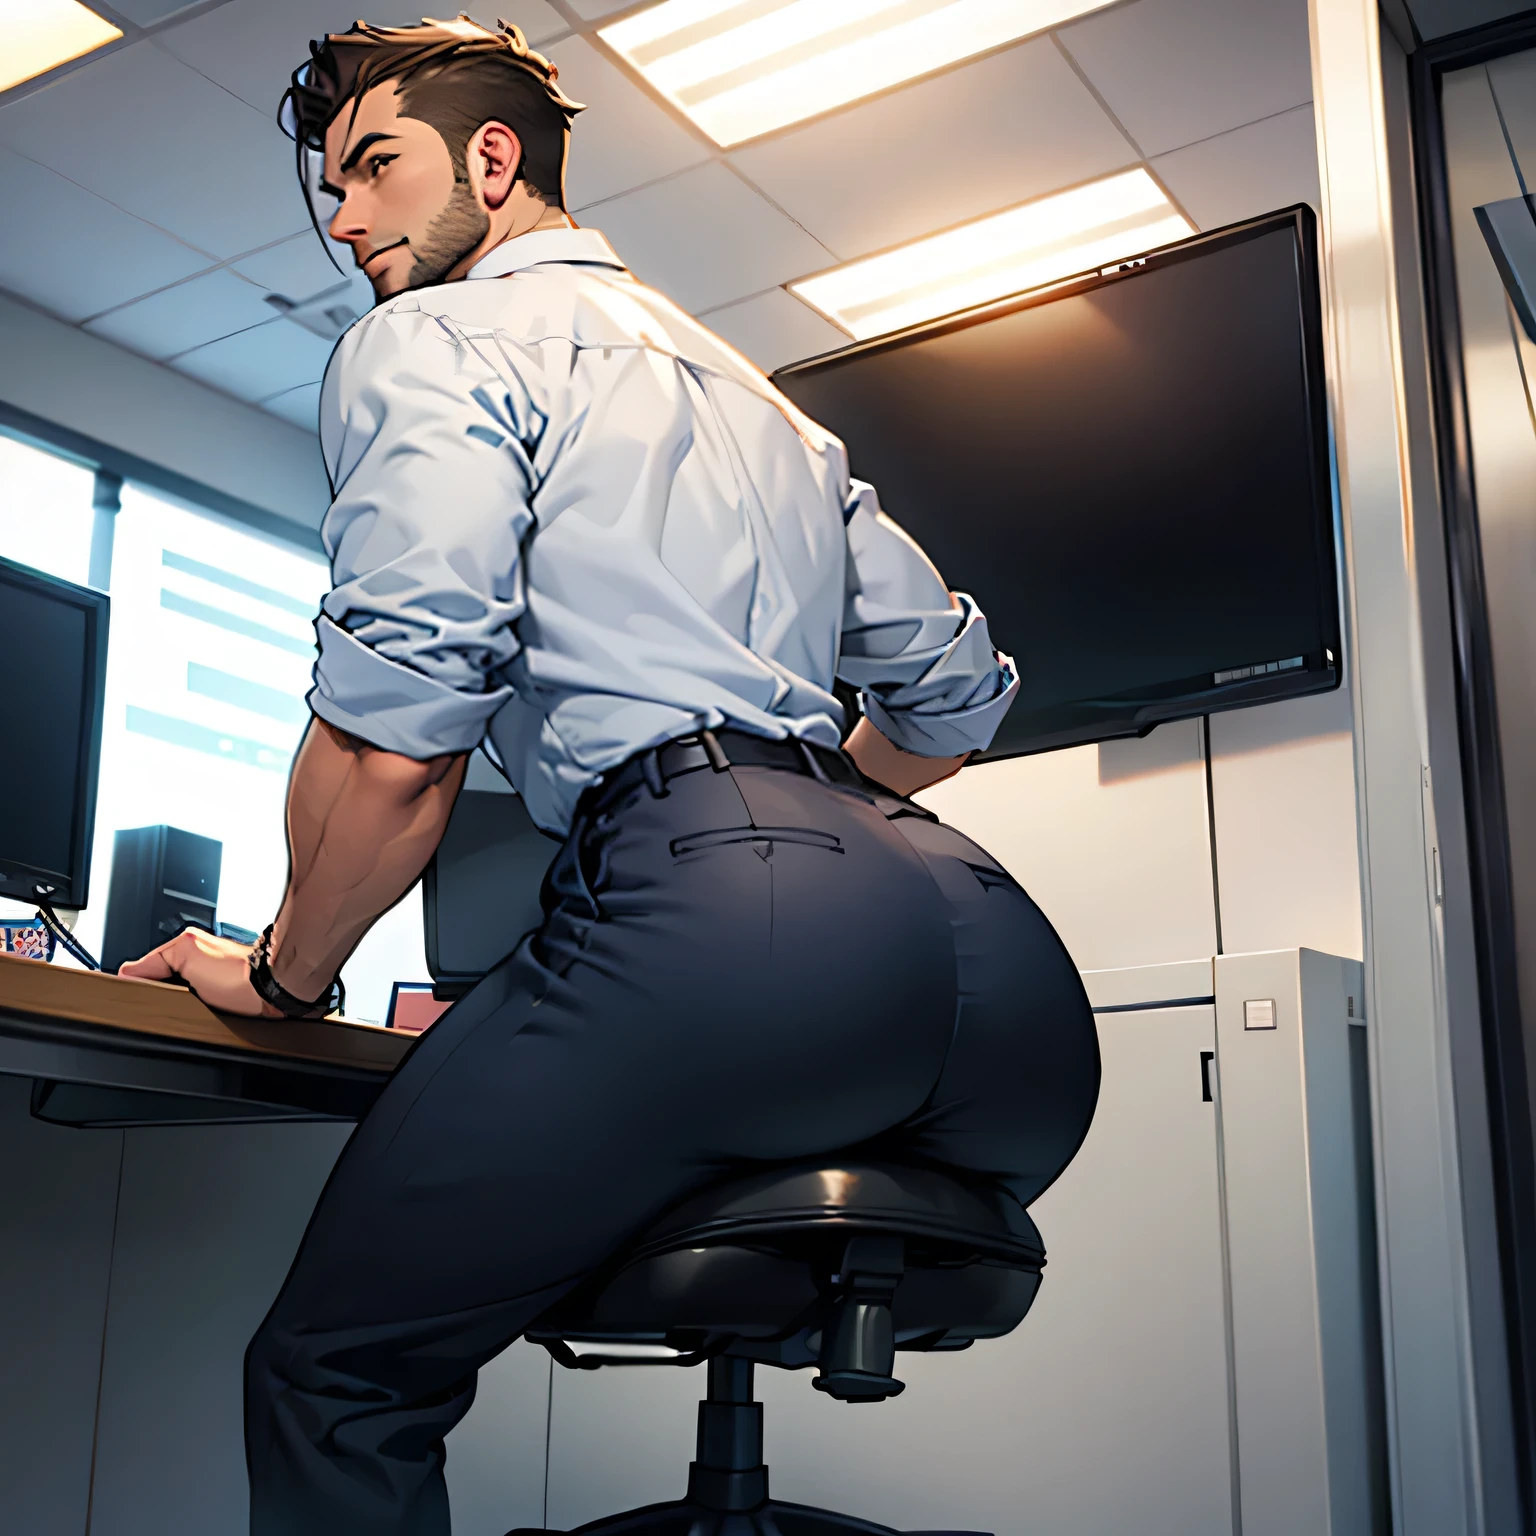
[390, 284]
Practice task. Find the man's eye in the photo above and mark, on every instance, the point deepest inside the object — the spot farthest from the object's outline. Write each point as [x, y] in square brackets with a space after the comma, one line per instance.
[377, 163]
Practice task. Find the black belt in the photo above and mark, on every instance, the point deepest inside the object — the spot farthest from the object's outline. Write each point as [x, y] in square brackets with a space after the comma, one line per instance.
[719, 750]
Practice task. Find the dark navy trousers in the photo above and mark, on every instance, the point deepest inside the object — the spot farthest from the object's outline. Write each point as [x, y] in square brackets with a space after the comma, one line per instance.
[755, 965]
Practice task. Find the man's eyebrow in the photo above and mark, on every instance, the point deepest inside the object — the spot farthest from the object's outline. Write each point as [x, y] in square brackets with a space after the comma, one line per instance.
[361, 148]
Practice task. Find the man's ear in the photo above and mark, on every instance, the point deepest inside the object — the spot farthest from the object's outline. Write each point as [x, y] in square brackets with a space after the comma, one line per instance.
[491, 158]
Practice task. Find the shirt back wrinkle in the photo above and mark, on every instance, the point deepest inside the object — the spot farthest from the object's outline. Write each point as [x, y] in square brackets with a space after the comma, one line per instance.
[512, 407]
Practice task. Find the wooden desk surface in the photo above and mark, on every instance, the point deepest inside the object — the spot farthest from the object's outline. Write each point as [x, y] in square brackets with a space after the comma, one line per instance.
[37, 990]
[109, 1050]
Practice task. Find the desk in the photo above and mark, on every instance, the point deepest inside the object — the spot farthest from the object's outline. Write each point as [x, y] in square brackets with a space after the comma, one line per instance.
[107, 1050]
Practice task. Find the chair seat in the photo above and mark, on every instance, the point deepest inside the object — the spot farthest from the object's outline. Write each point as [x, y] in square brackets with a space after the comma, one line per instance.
[927, 1206]
[756, 1260]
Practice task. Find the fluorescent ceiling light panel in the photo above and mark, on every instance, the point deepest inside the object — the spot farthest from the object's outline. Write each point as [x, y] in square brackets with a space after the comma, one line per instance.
[41, 34]
[740, 68]
[1026, 247]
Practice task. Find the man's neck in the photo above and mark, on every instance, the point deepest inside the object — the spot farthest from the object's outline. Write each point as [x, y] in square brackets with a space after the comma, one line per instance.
[550, 217]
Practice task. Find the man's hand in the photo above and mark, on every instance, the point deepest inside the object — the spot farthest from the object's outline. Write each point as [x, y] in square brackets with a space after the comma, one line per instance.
[880, 759]
[218, 970]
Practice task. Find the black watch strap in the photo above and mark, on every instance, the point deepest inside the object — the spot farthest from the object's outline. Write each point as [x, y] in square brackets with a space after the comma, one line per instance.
[270, 990]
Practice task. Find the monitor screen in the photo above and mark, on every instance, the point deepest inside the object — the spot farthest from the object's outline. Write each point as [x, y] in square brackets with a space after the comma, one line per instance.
[53, 635]
[480, 893]
[1130, 474]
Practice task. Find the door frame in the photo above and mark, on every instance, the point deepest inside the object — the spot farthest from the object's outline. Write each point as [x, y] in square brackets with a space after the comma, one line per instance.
[1504, 1052]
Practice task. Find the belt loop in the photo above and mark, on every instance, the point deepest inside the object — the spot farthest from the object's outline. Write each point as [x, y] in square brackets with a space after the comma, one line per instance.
[714, 752]
[650, 769]
[813, 767]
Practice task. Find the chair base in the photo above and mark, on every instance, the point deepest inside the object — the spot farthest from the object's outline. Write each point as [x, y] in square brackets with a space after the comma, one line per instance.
[683, 1517]
[728, 1482]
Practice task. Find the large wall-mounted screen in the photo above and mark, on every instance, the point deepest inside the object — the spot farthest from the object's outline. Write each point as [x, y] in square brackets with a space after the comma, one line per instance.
[1130, 473]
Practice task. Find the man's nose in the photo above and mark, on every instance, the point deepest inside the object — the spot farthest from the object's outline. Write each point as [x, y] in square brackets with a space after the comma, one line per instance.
[347, 223]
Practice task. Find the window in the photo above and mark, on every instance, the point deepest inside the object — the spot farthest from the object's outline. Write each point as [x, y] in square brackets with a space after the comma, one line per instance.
[211, 645]
[208, 662]
[45, 511]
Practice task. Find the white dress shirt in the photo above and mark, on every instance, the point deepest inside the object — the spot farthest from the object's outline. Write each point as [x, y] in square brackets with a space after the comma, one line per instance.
[570, 523]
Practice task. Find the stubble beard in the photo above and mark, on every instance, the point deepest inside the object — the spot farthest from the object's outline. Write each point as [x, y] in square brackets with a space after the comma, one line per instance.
[450, 237]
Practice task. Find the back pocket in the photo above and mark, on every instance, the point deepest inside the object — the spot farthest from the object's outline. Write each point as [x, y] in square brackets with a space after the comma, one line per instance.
[810, 836]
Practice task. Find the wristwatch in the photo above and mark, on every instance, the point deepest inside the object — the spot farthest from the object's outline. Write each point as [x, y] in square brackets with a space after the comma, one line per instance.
[269, 990]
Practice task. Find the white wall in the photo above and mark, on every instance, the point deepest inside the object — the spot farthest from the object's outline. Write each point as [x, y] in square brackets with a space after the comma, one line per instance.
[1283, 789]
[113, 396]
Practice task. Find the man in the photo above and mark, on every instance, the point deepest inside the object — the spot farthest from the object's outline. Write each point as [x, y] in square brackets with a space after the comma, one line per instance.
[572, 526]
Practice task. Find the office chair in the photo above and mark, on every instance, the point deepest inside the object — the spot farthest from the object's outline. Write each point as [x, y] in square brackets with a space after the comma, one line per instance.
[836, 1265]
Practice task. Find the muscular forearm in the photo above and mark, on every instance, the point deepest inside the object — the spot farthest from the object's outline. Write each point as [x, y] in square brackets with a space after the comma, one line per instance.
[880, 759]
[362, 824]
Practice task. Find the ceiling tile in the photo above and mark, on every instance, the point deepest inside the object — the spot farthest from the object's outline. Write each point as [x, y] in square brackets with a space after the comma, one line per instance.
[705, 238]
[775, 328]
[70, 252]
[263, 361]
[624, 138]
[136, 126]
[147, 12]
[297, 269]
[1250, 171]
[252, 47]
[301, 406]
[1004, 129]
[204, 309]
[595, 10]
[1174, 71]
[296, 266]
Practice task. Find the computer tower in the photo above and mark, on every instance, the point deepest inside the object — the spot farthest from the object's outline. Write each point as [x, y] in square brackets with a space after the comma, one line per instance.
[163, 880]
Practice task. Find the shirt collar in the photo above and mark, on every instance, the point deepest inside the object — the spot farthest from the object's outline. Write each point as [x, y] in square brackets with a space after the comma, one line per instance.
[545, 245]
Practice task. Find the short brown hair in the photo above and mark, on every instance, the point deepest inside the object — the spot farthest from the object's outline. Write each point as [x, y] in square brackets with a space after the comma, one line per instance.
[454, 76]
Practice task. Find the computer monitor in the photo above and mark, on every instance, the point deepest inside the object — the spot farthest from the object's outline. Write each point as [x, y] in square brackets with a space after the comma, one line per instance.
[1130, 473]
[480, 893]
[53, 636]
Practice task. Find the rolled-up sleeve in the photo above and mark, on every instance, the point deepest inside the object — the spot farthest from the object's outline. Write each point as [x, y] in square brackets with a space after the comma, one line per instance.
[931, 678]
[425, 443]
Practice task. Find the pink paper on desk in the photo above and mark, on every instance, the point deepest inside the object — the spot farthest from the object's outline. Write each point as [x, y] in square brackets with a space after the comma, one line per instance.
[416, 1011]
